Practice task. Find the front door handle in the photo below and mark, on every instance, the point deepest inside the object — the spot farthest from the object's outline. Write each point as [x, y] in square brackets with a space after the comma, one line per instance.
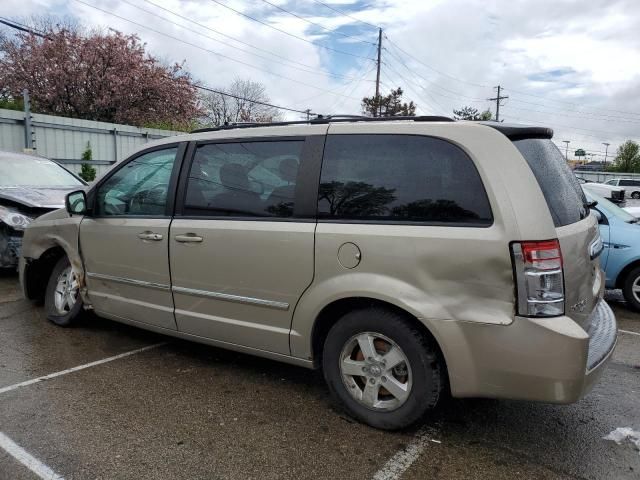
[188, 238]
[150, 236]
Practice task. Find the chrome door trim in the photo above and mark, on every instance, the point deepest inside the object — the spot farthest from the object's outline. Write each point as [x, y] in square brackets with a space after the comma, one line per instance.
[231, 298]
[129, 281]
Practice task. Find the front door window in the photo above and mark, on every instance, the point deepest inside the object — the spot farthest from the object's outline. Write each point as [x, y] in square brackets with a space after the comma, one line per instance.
[139, 188]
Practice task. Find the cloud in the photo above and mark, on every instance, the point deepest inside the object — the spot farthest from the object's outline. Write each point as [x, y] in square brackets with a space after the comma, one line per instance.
[569, 64]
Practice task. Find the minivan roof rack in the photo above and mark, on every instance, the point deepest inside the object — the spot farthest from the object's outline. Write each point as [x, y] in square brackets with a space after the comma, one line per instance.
[321, 119]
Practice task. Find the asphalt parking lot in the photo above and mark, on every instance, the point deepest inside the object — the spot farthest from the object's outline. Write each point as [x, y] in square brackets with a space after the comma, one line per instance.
[178, 410]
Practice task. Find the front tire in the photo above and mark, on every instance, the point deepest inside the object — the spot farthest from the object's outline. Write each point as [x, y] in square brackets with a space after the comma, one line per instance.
[62, 301]
[635, 195]
[382, 369]
[631, 289]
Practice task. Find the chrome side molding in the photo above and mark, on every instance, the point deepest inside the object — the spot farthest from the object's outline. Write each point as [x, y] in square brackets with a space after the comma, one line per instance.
[232, 298]
[129, 281]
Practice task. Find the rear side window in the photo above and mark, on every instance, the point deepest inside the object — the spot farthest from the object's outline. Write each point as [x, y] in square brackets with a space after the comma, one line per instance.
[560, 187]
[629, 183]
[246, 179]
[402, 178]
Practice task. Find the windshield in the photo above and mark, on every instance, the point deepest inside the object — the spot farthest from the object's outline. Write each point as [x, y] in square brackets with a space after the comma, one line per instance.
[25, 171]
[610, 209]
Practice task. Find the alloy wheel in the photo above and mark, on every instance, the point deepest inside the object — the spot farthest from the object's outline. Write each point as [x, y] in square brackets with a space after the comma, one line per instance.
[66, 292]
[375, 371]
[635, 289]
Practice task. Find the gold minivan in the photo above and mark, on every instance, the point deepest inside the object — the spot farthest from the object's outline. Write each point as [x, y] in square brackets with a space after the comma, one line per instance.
[407, 258]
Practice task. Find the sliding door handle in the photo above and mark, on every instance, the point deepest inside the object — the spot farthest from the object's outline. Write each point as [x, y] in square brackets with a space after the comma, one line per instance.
[156, 237]
[188, 238]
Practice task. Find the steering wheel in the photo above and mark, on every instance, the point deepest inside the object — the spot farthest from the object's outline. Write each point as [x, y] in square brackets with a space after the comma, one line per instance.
[138, 201]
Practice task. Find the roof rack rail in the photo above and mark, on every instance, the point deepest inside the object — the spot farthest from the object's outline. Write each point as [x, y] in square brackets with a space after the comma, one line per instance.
[321, 119]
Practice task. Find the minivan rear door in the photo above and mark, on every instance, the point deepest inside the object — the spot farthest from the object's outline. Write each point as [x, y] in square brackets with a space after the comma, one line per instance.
[576, 228]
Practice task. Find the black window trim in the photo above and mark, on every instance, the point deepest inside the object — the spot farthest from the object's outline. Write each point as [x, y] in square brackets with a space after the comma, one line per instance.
[411, 222]
[306, 191]
[177, 165]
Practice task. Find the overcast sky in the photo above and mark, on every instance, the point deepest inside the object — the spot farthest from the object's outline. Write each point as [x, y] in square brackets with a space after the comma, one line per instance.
[571, 65]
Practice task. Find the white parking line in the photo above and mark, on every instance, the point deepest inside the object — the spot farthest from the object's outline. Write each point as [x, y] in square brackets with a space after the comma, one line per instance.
[403, 459]
[629, 332]
[79, 367]
[26, 459]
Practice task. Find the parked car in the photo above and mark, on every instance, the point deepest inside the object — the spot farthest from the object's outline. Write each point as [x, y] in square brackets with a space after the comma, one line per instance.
[29, 187]
[406, 258]
[610, 192]
[631, 185]
[620, 232]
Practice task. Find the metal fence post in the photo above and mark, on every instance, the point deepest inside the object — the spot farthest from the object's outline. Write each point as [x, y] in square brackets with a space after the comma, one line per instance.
[115, 144]
[28, 126]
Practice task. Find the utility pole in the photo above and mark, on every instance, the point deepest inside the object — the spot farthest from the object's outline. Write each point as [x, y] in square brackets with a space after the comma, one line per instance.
[308, 110]
[378, 71]
[566, 152]
[497, 99]
[606, 150]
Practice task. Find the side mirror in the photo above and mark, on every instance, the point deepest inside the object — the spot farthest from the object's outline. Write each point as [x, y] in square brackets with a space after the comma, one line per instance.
[76, 202]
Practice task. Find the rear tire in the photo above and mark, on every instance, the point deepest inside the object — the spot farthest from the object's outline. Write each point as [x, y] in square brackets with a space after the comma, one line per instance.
[62, 301]
[635, 195]
[631, 283]
[401, 379]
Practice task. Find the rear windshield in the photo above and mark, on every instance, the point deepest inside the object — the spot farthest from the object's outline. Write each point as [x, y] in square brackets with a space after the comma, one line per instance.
[559, 185]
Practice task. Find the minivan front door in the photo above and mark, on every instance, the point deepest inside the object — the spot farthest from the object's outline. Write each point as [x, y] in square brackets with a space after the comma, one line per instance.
[124, 241]
[241, 246]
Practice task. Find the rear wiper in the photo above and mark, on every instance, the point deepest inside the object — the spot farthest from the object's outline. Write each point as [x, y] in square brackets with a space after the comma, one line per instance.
[635, 220]
[589, 204]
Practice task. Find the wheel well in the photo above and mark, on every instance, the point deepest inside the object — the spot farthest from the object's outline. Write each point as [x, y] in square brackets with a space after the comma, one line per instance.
[624, 272]
[38, 271]
[332, 313]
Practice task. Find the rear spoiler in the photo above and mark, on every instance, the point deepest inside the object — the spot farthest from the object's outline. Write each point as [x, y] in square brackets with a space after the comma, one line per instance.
[513, 131]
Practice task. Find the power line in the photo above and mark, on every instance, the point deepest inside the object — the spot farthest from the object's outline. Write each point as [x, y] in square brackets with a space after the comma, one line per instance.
[238, 97]
[430, 82]
[287, 33]
[200, 87]
[340, 101]
[510, 89]
[344, 14]
[21, 27]
[313, 71]
[229, 37]
[316, 24]
[573, 104]
[594, 116]
[434, 69]
[203, 48]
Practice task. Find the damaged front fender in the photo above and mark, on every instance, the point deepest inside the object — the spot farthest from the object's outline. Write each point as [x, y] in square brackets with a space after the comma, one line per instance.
[54, 230]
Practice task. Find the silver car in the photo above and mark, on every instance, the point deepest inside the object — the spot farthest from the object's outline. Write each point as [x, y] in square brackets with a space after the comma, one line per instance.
[29, 187]
[406, 258]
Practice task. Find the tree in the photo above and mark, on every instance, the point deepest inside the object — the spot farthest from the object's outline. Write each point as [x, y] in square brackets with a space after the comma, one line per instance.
[95, 76]
[219, 109]
[470, 113]
[627, 158]
[87, 172]
[388, 106]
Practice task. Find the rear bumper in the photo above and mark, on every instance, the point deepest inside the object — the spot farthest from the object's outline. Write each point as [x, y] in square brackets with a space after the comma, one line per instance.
[548, 360]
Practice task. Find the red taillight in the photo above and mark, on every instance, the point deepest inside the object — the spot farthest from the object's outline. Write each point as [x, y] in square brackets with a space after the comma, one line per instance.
[544, 255]
[539, 278]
